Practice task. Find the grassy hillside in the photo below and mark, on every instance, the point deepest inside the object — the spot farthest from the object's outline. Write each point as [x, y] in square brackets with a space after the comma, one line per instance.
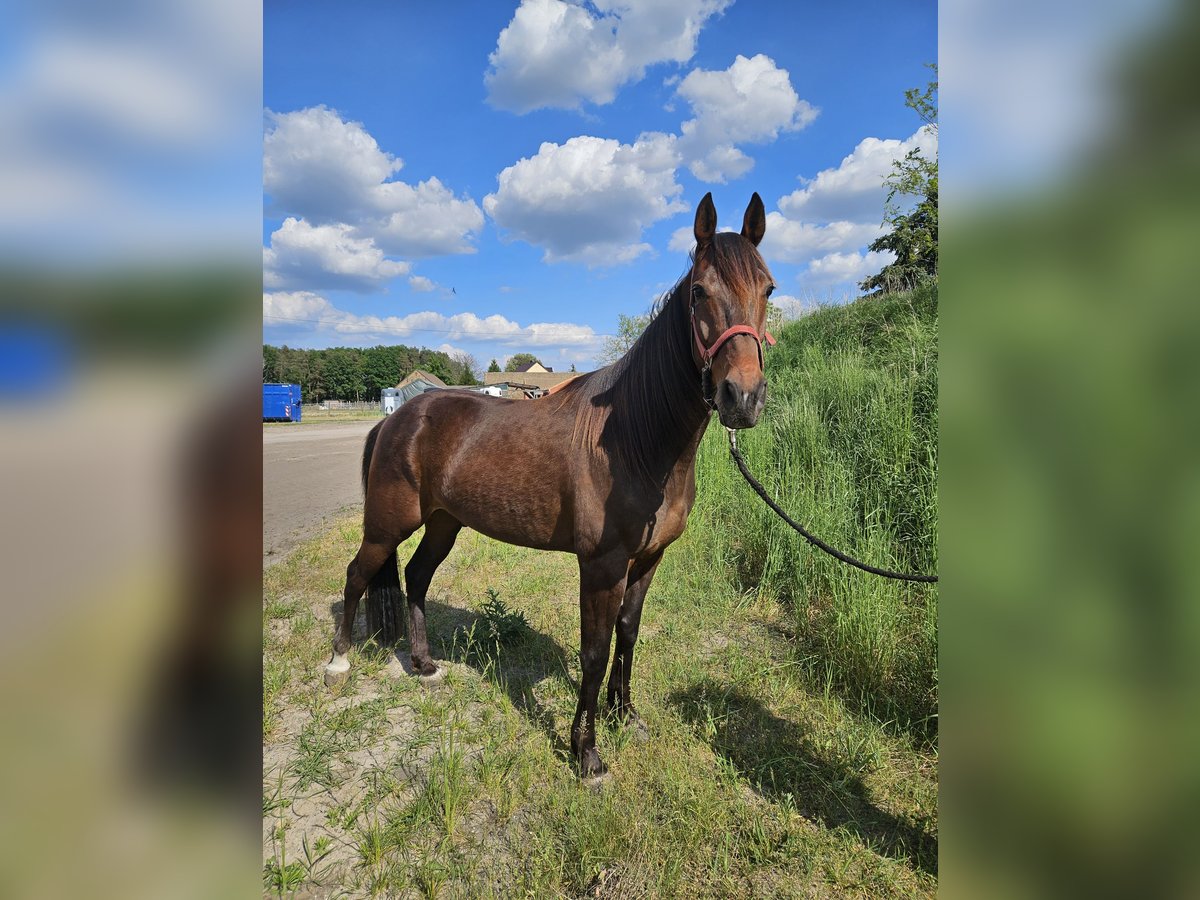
[848, 445]
[789, 698]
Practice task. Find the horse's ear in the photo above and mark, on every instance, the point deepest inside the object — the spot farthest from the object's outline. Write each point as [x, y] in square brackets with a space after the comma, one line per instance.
[706, 221]
[754, 225]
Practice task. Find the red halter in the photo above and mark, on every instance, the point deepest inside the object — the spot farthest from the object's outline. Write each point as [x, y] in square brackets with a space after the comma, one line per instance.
[708, 353]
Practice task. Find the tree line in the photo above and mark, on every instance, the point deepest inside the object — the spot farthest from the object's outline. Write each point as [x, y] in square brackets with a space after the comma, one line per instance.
[353, 373]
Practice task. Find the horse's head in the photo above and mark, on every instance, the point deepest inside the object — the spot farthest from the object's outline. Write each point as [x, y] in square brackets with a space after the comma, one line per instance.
[730, 284]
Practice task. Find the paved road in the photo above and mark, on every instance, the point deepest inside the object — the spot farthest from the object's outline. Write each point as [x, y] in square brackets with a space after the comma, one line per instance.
[310, 474]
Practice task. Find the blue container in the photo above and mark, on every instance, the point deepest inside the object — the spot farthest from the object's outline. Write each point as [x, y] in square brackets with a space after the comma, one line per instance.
[281, 403]
[295, 402]
[36, 362]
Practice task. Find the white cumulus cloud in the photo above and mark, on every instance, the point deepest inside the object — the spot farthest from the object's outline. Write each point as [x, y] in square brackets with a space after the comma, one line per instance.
[589, 199]
[426, 220]
[302, 255]
[846, 268]
[326, 170]
[295, 308]
[854, 189]
[790, 241]
[793, 307]
[421, 284]
[829, 223]
[321, 168]
[283, 307]
[683, 239]
[559, 54]
[751, 102]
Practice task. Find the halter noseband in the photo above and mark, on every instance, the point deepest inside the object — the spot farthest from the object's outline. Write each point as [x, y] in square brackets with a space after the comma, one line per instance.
[708, 354]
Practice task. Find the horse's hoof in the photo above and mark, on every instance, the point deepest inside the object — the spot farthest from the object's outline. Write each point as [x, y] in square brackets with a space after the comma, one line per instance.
[432, 678]
[592, 770]
[596, 782]
[637, 729]
[337, 670]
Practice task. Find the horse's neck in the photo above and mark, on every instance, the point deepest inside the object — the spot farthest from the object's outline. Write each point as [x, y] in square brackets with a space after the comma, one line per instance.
[684, 456]
[667, 407]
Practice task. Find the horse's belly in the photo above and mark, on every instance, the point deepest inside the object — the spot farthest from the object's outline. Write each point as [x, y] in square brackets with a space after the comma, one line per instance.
[522, 536]
[513, 512]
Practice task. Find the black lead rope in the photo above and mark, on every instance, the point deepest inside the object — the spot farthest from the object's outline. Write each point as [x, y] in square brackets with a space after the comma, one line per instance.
[812, 539]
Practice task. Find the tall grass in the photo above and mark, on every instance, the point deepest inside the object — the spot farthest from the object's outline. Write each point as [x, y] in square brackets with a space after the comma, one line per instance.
[848, 445]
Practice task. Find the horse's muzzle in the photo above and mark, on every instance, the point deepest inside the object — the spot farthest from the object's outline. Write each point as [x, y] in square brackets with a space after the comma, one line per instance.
[739, 407]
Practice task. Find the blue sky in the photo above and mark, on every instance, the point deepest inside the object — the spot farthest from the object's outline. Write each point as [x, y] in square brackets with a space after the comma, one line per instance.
[496, 178]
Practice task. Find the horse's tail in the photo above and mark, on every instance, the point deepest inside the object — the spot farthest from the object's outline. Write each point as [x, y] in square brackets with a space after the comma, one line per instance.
[369, 450]
[384, 594]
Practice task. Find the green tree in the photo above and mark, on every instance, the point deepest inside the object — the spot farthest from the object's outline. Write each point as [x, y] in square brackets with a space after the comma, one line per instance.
[913, 237]
[465, 367]
[343, 373]
[629, 329]
[270, 364]
[438, 364]
[519, 359]
[313, 383]
[381, 369]
[292, 368]
[350, 373]
[494, 366]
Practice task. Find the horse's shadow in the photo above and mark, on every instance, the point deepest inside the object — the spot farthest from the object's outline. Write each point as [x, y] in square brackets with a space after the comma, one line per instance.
[454, 635]
[778, 758]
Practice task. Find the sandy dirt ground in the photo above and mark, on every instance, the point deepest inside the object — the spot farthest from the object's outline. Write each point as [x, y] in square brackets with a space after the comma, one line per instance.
[310, 474]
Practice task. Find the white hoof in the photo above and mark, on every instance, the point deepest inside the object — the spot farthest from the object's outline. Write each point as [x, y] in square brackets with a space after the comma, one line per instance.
[337, 670]
[430, 680]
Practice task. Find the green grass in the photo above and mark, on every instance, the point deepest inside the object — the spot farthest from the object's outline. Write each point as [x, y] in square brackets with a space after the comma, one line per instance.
[312, 414]
[848, 445]
[791, 701]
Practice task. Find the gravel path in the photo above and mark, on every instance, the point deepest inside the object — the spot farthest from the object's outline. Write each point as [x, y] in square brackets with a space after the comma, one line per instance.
[310, 474]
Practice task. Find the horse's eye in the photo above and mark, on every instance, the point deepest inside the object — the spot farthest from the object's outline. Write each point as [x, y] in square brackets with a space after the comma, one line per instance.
[697, 292]
[770, 289]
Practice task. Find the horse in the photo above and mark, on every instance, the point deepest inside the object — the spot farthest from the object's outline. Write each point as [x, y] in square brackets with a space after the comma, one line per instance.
[603, 468]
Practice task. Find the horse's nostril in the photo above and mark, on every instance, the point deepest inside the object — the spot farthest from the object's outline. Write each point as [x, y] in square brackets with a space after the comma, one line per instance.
[730, 393]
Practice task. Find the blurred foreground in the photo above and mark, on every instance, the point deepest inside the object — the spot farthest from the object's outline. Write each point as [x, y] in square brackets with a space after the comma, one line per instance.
[129, 449]
[1071, 503]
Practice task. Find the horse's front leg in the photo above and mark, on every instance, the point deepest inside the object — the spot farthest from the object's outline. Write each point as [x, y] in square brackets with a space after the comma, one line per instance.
[641, 573]
[601, 590]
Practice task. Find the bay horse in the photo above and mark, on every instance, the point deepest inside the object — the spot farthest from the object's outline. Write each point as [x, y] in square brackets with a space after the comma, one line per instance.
[603, 469]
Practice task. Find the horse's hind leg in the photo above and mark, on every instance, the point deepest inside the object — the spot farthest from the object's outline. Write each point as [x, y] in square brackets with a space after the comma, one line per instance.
[441, 529]
[371, 557]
